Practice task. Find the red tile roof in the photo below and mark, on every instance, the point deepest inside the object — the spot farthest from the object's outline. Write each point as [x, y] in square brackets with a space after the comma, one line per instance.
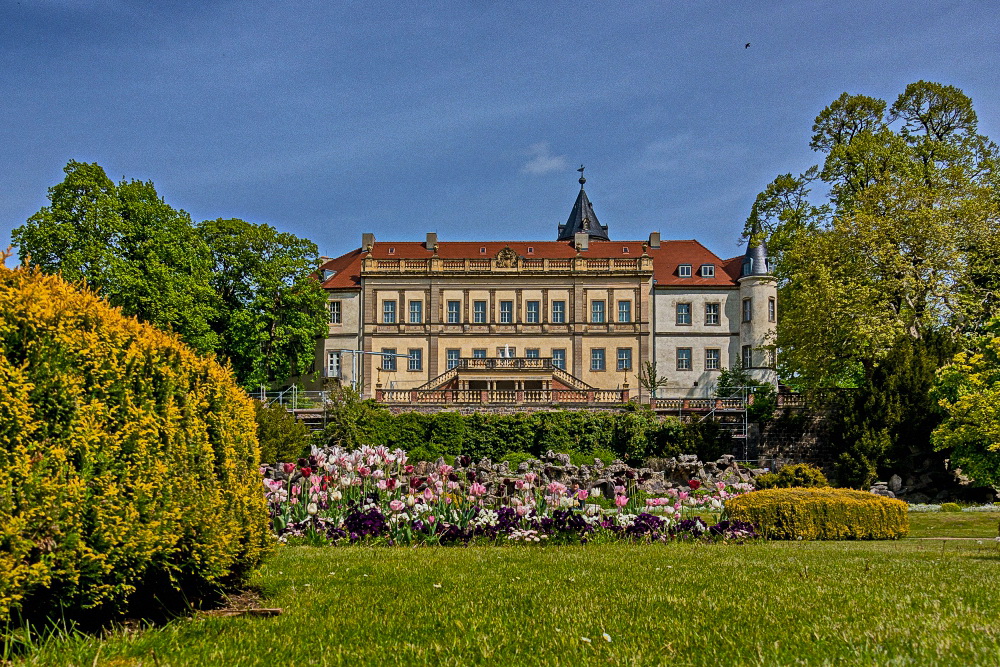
[666, 258]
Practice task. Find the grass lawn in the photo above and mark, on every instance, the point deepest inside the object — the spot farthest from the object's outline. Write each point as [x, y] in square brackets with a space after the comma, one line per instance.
[954, 524]
[907, 602]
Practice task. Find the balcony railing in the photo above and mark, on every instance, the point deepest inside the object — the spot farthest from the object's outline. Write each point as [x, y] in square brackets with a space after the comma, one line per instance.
[522, 264]
[502, 396]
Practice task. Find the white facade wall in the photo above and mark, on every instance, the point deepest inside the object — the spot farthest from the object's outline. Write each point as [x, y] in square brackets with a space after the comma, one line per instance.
[341, 336]
[672, 336]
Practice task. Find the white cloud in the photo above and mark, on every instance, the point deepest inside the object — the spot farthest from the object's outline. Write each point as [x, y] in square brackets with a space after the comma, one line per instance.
[542, 161]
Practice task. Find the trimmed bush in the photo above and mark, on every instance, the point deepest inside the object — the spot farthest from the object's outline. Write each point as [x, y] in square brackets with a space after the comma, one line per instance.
[630, 436]
[951, 507]
[282, 437]
[821, 514]
[801, 475]
[128, 464]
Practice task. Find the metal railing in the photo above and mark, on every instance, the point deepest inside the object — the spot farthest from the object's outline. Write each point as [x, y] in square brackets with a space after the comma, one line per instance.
[502, 396]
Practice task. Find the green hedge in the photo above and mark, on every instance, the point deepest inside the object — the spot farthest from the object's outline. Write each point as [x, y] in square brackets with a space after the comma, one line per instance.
[632, 436]
[821, 514]
[128, 464]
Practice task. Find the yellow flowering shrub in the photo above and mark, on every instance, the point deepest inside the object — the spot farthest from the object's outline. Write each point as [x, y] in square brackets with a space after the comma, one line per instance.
[821, 514]
[128, 464]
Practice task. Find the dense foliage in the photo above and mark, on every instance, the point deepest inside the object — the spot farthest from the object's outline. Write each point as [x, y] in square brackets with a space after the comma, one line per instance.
[631, 436]
[884, 275]
[128, 464]
[821, 514]
[969, 392]
[243, 291]
[282, 437]
[800, 475]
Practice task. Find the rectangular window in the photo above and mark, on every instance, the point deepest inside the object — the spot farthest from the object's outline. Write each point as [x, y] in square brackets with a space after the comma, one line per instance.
[416, 359]
[333, 364]
[683, 314]
[711, 313]
[479, 353]
[389, 312]
[624, 358]
[747, 356]
[506, 312]
[558, 312]
[531, 352]
[388, 358]
[771, 314]
[624, 311]
[533, 311]
[747, 309]
[506, 352]
[770, 357]
[708, 270]
[452, 357]
[597, 312]
[335, 312]
[597, 359]
[454, 312]
[684, 270]
[684, 358]
[559, 359]
[712, 357]
[479, 312]
[416, 312]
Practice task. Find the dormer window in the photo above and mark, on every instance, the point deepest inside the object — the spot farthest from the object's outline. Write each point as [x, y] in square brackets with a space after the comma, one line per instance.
[708, 270]
[624, 250]
[482, 250]
[684, 270]
[328, 273]
[392, 251]
[531, 249]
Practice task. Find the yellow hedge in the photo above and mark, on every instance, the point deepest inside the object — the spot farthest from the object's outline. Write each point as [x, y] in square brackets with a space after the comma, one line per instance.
[128, 464]
[821, 514]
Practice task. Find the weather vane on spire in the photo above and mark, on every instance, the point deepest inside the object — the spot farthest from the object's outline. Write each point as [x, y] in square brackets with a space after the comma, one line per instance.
[582, 179]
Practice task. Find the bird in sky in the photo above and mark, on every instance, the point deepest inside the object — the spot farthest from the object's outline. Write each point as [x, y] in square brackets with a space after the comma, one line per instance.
[747, 45]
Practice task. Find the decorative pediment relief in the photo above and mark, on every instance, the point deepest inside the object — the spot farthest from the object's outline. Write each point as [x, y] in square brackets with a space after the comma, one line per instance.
[506, 258]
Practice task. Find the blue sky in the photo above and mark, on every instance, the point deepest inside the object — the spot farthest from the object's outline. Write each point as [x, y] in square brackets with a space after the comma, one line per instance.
[328, 119]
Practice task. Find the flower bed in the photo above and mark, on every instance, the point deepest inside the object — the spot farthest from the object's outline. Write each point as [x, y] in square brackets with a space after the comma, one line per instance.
[373, 494]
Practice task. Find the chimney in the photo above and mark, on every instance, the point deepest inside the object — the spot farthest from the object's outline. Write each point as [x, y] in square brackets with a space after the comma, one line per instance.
[432, 240]
[654, 239]
[581, 240]
[367, 241]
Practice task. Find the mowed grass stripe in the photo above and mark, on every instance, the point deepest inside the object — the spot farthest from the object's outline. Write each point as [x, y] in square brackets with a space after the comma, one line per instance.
[907, 602]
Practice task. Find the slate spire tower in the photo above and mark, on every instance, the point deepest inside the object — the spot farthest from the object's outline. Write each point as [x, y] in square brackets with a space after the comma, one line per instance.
[582, 218]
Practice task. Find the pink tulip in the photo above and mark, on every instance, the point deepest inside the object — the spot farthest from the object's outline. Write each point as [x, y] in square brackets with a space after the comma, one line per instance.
[720, 486]
[521, 510]
[556, 487]
[396, 505]
[530, 477]
[619, 490]
[408, 469]
[621, 501]
[582, 494]
[445, 469]
[431, 518]
[428, 495]
[519, 485]
[363, 471]
[683, 495]
[477, 489]
[381, 485]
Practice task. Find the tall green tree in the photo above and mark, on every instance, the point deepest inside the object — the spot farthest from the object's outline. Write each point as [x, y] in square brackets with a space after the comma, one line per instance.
[128, 244]
[902, 245]
[245, 292]
[272, 307]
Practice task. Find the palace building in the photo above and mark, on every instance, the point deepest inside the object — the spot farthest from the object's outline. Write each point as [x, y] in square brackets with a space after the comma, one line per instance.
[570, 321]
